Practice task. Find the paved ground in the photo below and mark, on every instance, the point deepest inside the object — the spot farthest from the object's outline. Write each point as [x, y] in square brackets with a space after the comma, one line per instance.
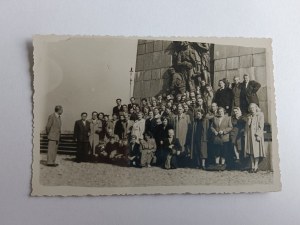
[69, 173]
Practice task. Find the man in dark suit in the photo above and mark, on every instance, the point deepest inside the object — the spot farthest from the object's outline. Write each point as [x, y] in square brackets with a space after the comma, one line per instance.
[53, 130]
[236, 92]
[118, 108]
[223, 97]
[249, 90]
[82, 132]
[134, 152]
[132, 104]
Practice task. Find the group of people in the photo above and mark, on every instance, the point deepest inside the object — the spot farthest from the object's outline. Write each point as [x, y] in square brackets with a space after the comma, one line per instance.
[198, 129]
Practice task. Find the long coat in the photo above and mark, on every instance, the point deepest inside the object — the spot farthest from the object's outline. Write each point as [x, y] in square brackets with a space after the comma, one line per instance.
[248, 94]
[95, 126]
[200, 138]
[225, 126]
[255, 127]
[53, 127]
[223, 98]
[183, 129]
[238, 131]
[81, 131]
[236, 94]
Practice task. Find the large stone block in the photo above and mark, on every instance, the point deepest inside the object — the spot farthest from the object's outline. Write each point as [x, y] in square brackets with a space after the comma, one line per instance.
[166, 44]
[139, 63]
[231, 74]
[261, 75]
[141, 49]
[220, 64]
[220, 52]
[147, 75]
[245, 50]
[156, 74]
[137, 89]
[259, 59]
[148, 58]
[155, 87]
[232, 51]
[233, 63]
[258, 50]
[249, 71]
[218, 76]
[246, 61]
[158, 45]
[139, 76]
[157, 60]
[262, 94]
[141, 41]
[166, 60]
[149, 47]
[263, 105]
[147, 88]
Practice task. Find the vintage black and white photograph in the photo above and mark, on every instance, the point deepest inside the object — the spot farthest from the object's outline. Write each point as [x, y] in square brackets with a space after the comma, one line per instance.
[134, 115]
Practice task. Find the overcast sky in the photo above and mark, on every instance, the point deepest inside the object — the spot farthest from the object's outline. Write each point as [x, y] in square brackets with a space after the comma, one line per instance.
[84, 74]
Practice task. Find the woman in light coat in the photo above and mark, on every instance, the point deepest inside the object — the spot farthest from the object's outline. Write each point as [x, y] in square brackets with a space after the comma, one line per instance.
[254, 136]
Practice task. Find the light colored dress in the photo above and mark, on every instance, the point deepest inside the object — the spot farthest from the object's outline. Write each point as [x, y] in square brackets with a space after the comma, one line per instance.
[96, 127]
[138, 129]
[255, 127]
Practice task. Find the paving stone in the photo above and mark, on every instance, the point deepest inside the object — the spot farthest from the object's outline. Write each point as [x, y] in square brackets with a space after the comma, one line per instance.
[158, 46]
[220, 64]
[233, 63]
[259, 59]
[246, 61]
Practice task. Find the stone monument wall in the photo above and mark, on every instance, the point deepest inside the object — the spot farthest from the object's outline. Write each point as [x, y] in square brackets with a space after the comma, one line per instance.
[230, 61]
[153, 60]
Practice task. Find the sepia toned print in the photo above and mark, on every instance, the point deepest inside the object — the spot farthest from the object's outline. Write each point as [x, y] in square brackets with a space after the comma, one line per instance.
[116, 115]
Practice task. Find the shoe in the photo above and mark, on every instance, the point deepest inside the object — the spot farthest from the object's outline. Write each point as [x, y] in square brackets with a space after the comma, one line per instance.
[222, 167]
[52, 165]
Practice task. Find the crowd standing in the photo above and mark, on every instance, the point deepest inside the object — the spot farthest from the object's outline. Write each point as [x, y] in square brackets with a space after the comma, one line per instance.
[200, 128]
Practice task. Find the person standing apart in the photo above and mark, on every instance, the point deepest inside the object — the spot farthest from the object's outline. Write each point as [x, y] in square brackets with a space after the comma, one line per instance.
[254, 136]
[53, 130]
[82, 132]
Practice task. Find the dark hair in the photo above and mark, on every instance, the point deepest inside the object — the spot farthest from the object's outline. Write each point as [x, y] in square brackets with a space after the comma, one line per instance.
[144, 99]
[106, 115]
[95, 112]
[57, 108]
[83, 113]
[100, 113]
[164, 118]
[118, 99]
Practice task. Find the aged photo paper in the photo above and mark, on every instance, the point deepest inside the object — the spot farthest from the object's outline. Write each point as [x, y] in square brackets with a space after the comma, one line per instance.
[153, 115]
